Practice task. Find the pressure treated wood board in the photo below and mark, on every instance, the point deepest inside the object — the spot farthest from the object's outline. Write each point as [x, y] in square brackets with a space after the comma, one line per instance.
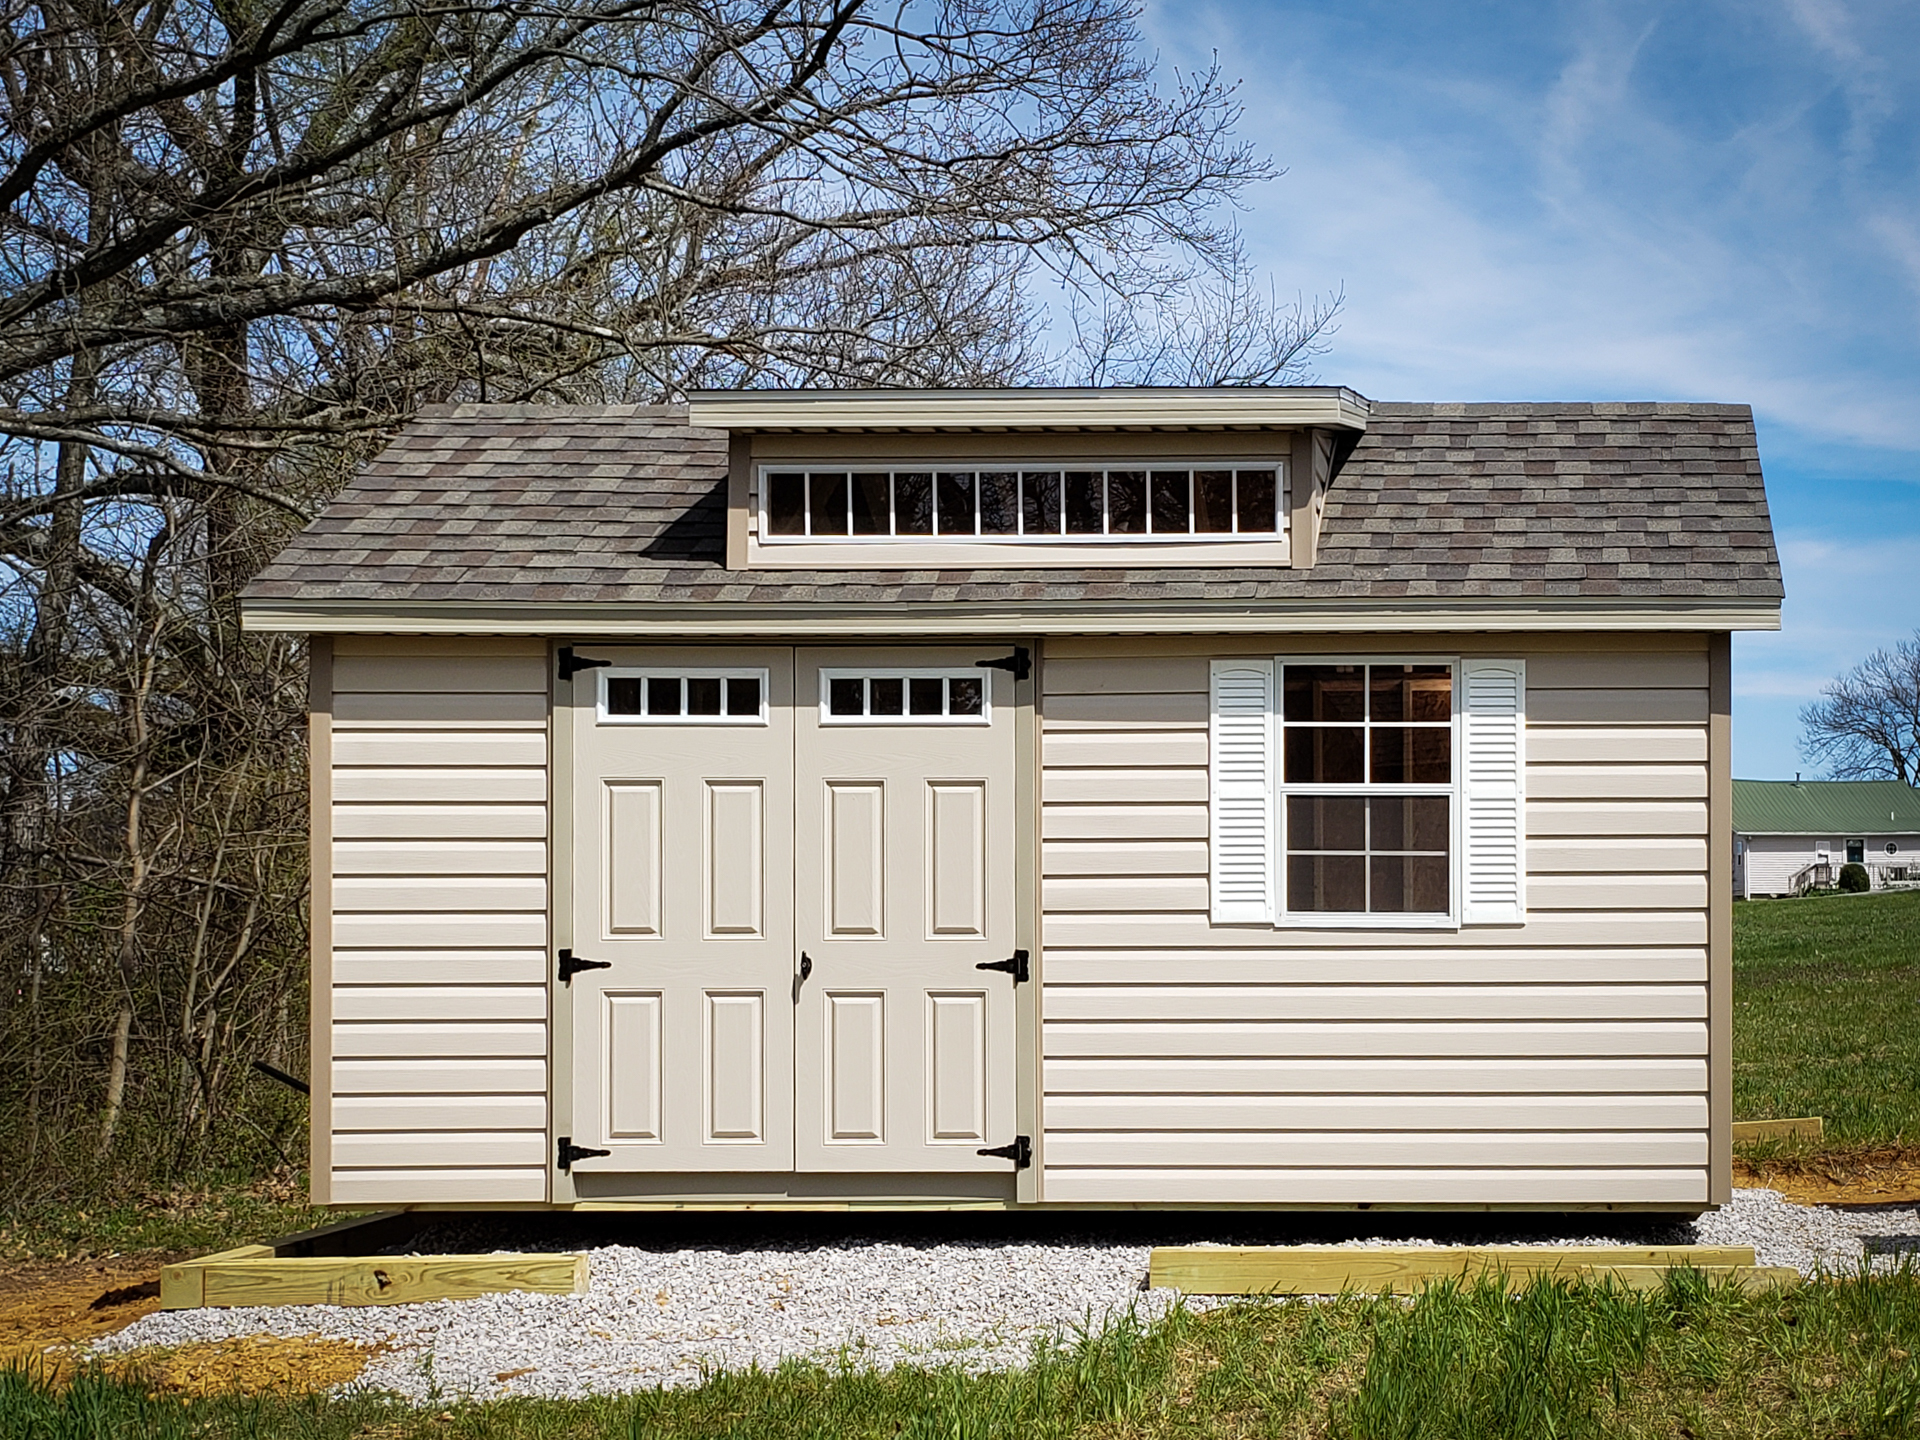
[1654, 1277]
[255, 1276]
[1332, 1270]
[1809, 1127]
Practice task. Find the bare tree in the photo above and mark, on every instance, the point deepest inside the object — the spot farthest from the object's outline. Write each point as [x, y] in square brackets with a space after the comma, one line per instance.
[241, 240]
[1866, 723]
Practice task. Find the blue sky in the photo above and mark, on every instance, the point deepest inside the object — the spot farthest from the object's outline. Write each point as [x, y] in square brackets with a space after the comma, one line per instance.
[1642, 201]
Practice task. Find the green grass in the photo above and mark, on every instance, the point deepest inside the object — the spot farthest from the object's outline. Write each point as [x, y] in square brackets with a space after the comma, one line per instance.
[216, 1216]
[1826, 1014]
[1476, 1363]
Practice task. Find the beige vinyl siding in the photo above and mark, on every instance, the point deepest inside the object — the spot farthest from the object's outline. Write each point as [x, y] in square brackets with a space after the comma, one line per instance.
[1559, 1062]
[439, 921]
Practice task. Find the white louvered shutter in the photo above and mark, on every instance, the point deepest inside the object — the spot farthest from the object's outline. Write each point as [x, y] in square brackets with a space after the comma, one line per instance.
[1241, 754]
[1494, 765]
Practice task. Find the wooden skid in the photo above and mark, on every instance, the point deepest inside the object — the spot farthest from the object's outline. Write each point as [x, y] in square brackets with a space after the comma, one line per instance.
[1807, 1127]
[254, 1275]
[1653, 1277]
[1330, 1270]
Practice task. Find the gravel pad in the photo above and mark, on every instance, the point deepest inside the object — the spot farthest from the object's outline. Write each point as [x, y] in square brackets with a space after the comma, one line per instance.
[667, 1315]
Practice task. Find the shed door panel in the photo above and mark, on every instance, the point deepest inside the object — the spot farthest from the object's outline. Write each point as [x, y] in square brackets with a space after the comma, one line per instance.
[682, 853]
[904, 884]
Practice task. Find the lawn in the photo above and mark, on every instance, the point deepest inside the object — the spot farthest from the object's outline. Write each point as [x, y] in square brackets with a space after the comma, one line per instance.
[1687, 1362]
[1826, 1014]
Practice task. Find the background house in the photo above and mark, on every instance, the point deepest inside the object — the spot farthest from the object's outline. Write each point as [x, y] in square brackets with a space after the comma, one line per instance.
[1793, 835]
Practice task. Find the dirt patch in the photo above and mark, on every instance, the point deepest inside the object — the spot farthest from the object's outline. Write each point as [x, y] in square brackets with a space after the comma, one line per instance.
[70, 1302]
[251, 1365]
[1875, 1175]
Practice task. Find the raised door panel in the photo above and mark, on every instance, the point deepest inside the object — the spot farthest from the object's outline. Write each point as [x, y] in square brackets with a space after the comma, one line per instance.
[630, 1051]
[634, 884]
[735, 846]
[957, 1068]
[736, 1067]
[956, 859]
[856, 859]
[856, 1070]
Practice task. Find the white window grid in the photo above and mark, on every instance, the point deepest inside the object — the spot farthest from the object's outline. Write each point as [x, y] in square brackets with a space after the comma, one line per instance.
[683, 673]
[1367, 789]
[868, 673]
[1021, 476]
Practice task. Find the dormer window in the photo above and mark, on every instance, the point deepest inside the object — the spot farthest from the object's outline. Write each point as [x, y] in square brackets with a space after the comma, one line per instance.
[1084, 505]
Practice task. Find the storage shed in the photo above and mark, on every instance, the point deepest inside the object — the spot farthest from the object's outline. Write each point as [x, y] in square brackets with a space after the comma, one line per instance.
[1252, 797]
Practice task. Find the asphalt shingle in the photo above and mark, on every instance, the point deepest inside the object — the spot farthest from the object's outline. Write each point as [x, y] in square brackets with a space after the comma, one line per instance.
[628, 503]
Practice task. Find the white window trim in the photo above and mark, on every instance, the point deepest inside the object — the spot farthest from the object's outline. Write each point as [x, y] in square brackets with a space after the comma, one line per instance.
[644, 673]
[906, 672]
[763, 529]
[1285, 919]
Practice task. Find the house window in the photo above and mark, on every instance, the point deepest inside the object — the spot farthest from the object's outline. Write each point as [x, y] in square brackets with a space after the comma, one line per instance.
[1142, 503]
[903, 697]
[688, 695]
[1367, 792]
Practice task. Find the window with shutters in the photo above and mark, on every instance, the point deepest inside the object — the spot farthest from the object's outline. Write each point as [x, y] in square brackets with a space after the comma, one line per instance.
[1368, 791]
[1367, 799]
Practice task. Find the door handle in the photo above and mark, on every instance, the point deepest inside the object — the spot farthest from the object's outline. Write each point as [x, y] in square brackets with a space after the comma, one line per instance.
[806, 965]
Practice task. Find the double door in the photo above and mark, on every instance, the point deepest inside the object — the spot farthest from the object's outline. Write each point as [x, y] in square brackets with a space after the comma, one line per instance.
[788, 866]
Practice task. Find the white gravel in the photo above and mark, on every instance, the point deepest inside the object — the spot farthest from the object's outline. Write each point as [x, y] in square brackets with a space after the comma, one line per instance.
[661, 1316]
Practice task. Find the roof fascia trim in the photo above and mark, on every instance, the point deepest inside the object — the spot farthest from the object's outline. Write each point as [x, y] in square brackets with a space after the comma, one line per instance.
[719, 618]
[1003, 410]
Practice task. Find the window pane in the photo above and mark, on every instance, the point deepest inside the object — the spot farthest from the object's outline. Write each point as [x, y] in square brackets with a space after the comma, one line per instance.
[1324, 755]
[1411, 692]
[999, 503]
[1326, 822]
[1327, 883]
[870, 505]
[1171, 510]
[1040, 503]
[828, 497]
[963, 696]
[887, 695]
[703, 695]
[923, 696]
[1257, 499]
[623, 696]
[1410, 822]
[787, 503]
[913, 504]
[663, 695]
[743, 695]
[1083, 502]
[1323, 692]
[1406, 756]
[1212, 502]
[1126, 502]
[956, 503]
[1409, 884]
[843, 696]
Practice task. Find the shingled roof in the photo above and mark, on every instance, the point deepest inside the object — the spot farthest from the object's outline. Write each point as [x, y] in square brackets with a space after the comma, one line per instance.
[626, 504]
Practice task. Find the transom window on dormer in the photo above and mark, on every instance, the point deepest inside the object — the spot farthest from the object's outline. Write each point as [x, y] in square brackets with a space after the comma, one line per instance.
[1131, 503]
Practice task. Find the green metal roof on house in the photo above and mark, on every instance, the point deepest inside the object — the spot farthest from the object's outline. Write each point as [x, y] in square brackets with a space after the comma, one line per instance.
[1825, 807]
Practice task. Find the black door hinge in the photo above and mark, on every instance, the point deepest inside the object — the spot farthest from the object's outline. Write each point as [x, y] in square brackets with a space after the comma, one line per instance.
[572, 664]
[571, 965]
[1015, 965]
[566, 1152]
[1020, 1152]
[1020, 663]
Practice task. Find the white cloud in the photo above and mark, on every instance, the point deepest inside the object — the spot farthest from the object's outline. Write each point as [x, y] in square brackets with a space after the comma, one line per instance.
[1565, 242]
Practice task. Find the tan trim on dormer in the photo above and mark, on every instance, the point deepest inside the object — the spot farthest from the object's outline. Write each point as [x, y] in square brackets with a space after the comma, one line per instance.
[1144, 408]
